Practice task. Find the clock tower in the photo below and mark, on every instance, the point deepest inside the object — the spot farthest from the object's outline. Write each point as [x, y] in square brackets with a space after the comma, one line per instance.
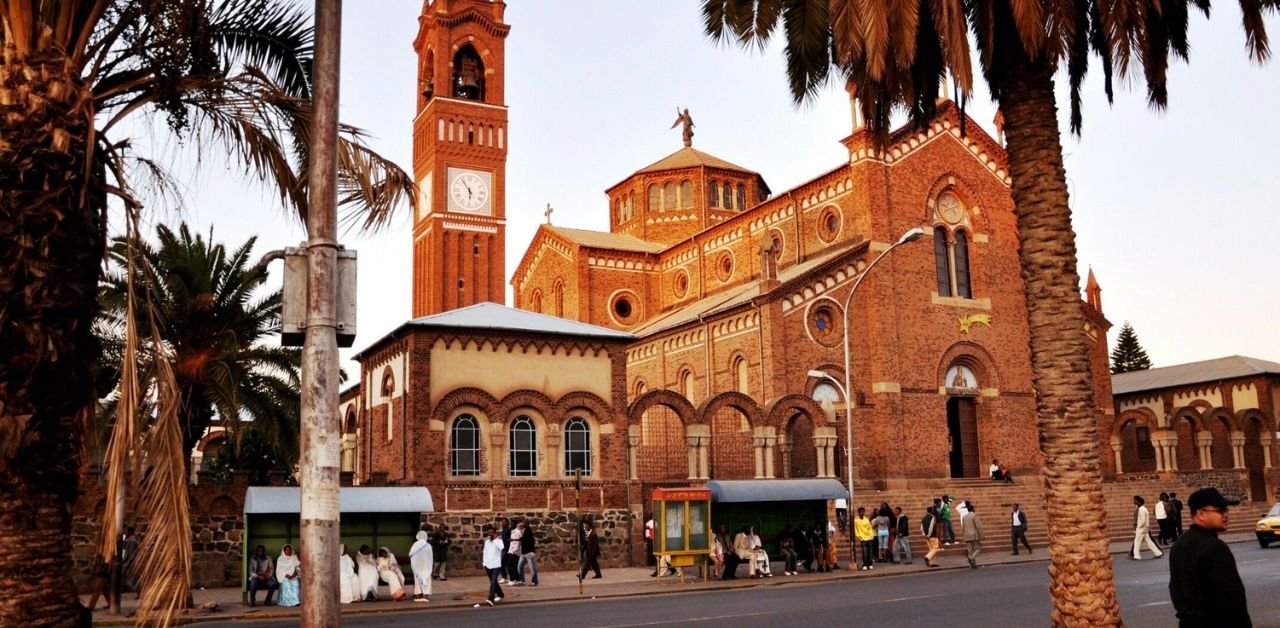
[459, 156]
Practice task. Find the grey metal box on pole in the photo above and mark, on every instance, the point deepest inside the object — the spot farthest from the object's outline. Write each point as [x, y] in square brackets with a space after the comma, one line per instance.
[293, 311]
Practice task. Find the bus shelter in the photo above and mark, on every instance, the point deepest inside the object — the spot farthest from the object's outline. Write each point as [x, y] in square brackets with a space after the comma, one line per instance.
[771, 505]
[376, 516]
[684, 526]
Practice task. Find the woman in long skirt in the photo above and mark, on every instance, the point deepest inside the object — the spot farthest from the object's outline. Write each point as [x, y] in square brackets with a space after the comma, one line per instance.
[289, 574]
[420, 558]
[348, 581]
[389, 569]
[368, 570]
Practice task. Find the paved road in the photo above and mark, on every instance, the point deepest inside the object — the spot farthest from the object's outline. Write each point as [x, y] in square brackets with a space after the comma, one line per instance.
[1000, 595]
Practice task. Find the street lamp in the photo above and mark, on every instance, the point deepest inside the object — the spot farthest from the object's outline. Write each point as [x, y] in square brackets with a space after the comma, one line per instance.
[846, 389]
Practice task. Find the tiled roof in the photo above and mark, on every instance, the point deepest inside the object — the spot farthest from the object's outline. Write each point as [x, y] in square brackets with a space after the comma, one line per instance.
[1191, 373]
[691, 158]
[501, 317]
[738, 295]
[606, 240]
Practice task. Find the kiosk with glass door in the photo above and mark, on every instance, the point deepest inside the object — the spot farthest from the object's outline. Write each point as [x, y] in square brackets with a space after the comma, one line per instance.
[683, 522]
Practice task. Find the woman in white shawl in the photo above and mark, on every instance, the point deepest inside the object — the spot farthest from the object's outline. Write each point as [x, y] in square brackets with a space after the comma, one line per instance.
[421, 559]
[389, 569]
[368, 569]
[288, 573]
[349, 582]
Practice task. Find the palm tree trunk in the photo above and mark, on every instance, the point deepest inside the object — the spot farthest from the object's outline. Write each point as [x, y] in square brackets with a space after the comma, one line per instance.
[1082, 584]
[52, 228]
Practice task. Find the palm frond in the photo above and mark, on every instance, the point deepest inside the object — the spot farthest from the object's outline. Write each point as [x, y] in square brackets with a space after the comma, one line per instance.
[277, 37]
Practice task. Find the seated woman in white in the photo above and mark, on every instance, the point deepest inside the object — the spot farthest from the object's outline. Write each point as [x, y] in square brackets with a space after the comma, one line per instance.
[348, 581]
[289, 575]
[389, 569]
[368, 570]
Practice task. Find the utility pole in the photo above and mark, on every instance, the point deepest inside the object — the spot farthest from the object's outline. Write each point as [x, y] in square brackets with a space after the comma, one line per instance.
[321, 447]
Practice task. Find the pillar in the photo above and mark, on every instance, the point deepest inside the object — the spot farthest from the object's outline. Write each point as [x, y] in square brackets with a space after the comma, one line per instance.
[757, 444]
[1237, 449]
[824, 440]
[698, 437]
[497, 442]
[768, 454]
[554, 460]
[785, 446]
[691, 450]
[348, 452]
[1116, 446]
[634, 435]
[1266, 451]
[1204, 439]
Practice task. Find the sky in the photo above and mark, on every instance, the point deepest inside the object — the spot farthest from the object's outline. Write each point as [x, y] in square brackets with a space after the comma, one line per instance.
[1175, 211]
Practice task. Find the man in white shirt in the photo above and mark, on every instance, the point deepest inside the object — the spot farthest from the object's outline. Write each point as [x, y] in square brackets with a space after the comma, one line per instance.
[1142, 530]
[492, 564]
[1018, 530]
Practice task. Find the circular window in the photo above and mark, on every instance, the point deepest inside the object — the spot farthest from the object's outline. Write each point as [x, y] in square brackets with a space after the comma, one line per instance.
[724, 266]
[829, 224]
[624, 307]
[681, 285]
[824, 326]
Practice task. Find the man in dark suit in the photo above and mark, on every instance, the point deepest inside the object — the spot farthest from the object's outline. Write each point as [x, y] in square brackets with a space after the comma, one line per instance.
[1018, 530]
[1177, 515]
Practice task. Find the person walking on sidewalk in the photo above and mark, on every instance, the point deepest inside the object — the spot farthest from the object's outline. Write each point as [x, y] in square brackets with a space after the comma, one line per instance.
[1018, 530]
[944, 514]
[491, 559]
[902, 537]
[866, 536]
[1142, 530]
[528, 554]
[421, 557]
[931, 530]
[649, 558]
[1204, 583]
[591, 552]
[971, 527]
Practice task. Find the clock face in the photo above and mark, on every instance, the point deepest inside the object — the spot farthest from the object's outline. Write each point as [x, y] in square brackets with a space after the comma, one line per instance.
[424, 196]
[949, 208]
[469, 191]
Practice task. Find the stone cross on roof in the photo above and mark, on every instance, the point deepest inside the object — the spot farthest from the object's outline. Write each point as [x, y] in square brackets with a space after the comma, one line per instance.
[548, 213]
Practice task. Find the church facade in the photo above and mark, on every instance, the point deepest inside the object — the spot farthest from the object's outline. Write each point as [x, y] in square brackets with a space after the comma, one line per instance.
[699, 321]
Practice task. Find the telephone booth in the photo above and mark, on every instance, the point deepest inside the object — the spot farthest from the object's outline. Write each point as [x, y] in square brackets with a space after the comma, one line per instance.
[683, 525]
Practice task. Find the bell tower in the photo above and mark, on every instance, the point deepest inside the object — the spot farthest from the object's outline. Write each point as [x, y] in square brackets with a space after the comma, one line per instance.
[459, 156]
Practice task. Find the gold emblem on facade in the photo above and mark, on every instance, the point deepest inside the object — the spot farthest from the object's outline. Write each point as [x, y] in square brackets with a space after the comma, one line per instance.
[970, 320]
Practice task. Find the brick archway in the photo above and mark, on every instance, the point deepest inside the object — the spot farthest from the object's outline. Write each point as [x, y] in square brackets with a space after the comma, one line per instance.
[1186, 423]
[735, 400]
[972, 355]
[681, 406]
[662, 419]
[539, 402]
[588, 401]
[1137, 451]
[778, 411]
[1222, 425]
[465, 397]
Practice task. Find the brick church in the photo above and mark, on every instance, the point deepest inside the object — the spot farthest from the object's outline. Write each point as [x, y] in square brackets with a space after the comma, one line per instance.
[680, 346]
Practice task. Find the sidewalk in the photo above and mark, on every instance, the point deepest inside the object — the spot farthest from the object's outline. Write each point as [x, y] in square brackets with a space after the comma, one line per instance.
[465, 591]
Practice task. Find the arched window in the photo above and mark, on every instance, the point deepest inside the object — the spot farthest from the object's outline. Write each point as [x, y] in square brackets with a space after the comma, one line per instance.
[464, 446]
[468, 74]
[475, 246]
[686, 384]
[618, 216]
[535, 302]
[961, 254]
[577, 446]
[523, 440]
[741, 198]
[557, 297]
[669, 200]
[686, 194]
[942, 260]
[639, 389]
[655, 197]
[740, 374]
[713, 194]
[726, 197]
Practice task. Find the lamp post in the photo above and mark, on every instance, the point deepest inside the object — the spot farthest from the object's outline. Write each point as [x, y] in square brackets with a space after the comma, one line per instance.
[846, 389]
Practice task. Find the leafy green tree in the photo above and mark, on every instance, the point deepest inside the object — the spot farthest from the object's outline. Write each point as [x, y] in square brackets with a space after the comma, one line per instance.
[214, 317]
[252, 451]
[1128, 354]
[895, 56]
[231, 78]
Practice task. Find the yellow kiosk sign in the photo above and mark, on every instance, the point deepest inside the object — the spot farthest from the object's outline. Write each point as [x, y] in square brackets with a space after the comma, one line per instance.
[683, 526]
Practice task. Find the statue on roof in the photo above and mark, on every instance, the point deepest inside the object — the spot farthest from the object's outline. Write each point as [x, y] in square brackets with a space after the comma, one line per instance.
[683, 117]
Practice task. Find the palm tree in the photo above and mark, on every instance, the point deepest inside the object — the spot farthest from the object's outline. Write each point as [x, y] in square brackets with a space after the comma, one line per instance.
[212, 321]
[895, 55]
[231, 76]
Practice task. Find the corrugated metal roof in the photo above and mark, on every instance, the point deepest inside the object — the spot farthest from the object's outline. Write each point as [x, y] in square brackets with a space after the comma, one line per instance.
[606, 240]
[776, 490]
[261, 500]
[494, 316]
[1229, 367]
[689, 157]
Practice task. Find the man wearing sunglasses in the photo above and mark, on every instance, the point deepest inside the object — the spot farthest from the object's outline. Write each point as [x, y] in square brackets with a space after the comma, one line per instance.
[1203, 580]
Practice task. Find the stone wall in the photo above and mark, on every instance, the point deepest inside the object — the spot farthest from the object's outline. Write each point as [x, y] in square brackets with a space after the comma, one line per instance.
[554, 532]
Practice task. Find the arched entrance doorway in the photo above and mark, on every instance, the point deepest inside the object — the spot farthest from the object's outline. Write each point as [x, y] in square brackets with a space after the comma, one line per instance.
[1137, 454]
[962, 422]
[1254, 459]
